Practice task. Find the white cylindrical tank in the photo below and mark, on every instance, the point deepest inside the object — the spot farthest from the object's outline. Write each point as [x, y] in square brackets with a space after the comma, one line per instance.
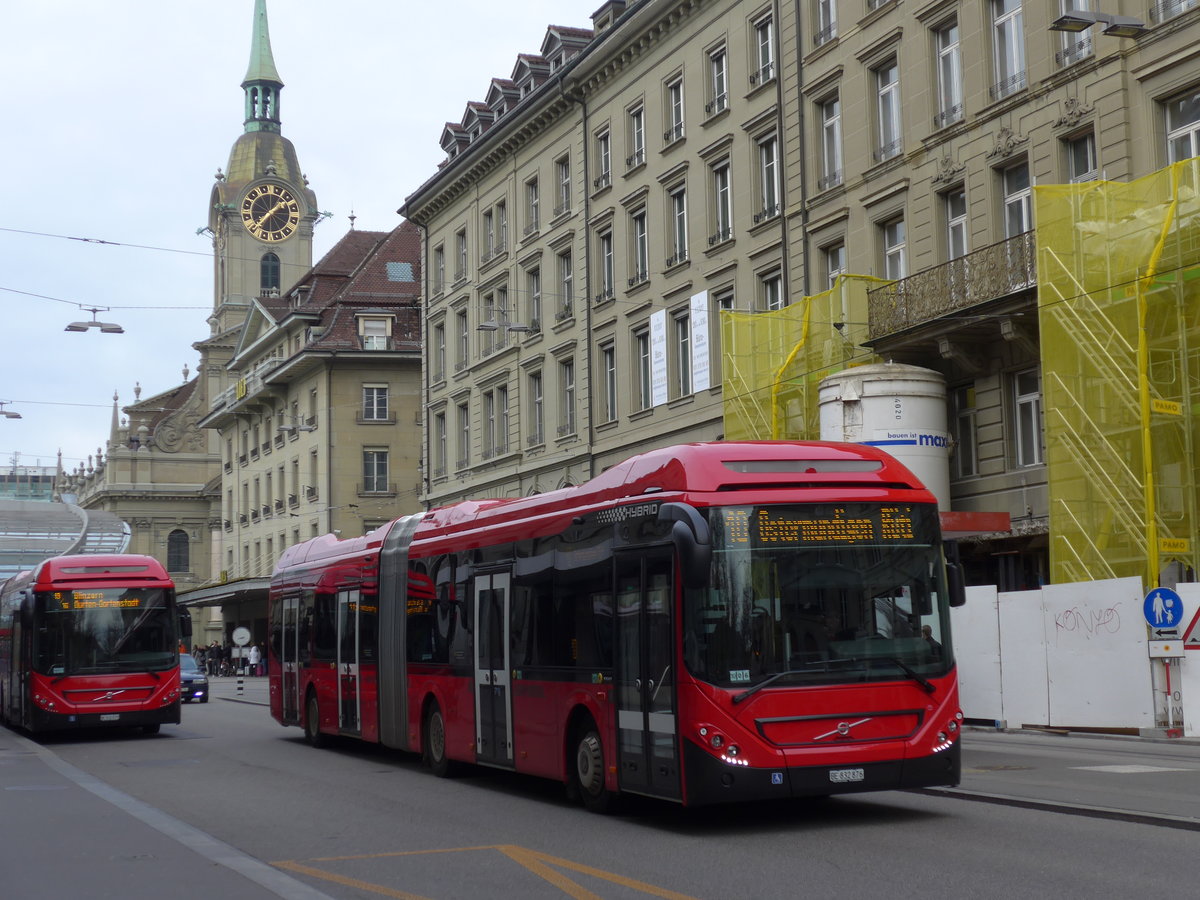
[898, 408]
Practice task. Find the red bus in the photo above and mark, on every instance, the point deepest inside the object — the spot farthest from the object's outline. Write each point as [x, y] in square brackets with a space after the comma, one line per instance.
[703, 623]
[89, 641]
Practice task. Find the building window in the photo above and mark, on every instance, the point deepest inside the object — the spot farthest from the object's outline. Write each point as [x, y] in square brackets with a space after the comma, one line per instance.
[678, 213]
[460, 248]
[1076, 45]
[531, 206]
[607, 271]
[562, 170]
[537, 410]
[501, 226]
[1018, 200]
[826, 22]
[956, 223]
[608, 365]
[268, 273]
[439, 445]
[439, 351]
[718, 82]
[1183, 127]
[376, 334]
[887, 97]
[375, 471]
[768, 178]
[375, 402]
[1081, 158]
[178, 555]
[641, 342]
[965, 459]
[949, 72]
[439, 269]
[835, 262]
[674, 110]
[464, 435]
[637, 138]
[1027, 419]
[1008, 44]
[1163, 10]
[683, 355]
[495, 421]
[463, 329]
[603, 160]
[771, 291]
[566, 282]
[831, 143]
[722, 204]
[533, 295]
[566, 397]
[764, 51]
[640, 250]
[489, 235]
[894, 263]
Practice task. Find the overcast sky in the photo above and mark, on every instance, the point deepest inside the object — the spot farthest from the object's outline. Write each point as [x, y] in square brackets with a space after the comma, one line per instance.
[116, 115]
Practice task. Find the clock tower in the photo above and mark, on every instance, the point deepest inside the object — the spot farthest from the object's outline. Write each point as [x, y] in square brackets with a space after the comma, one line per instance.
[262, 211]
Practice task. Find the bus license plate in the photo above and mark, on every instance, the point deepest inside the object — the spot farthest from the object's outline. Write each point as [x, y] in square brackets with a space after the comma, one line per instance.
[110, 717]
[844, 776]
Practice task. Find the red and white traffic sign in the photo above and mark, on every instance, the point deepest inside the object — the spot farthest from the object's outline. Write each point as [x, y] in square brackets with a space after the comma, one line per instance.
[1191, 634]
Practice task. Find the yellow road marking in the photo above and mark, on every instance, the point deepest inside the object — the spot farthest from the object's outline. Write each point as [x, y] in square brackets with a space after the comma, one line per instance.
[349, 882]
[537, 863]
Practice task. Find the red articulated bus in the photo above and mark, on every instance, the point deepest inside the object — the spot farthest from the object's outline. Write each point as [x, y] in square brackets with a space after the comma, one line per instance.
[89, 641]
[704, 623]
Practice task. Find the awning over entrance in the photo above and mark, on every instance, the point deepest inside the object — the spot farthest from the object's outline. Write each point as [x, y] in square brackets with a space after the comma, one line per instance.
[243, 590]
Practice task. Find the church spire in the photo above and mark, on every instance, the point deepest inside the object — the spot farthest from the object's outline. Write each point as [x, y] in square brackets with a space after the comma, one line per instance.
[262, 84]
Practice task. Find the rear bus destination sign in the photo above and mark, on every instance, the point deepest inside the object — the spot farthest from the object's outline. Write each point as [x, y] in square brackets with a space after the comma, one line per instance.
[835, 525]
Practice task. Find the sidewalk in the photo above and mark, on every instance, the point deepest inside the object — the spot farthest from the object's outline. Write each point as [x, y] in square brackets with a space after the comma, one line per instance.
[69, 834]
[239, 689]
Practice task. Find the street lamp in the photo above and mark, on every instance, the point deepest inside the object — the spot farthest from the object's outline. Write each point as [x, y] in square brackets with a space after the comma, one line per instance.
[105, 327]
[1077, 20]
[8, 413]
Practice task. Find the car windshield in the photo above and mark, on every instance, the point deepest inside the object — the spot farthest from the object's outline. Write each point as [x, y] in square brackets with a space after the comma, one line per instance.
[103, 631]
[187, 663]
[820, 594]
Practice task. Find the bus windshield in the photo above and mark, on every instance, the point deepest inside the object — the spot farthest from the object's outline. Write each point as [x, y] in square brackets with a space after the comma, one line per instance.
[102, 631]
[820, 594]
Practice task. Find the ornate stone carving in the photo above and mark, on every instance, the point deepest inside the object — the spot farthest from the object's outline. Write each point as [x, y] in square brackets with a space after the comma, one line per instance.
[1007, 142]
[947, 170]
[1074, 112]
[179, 432]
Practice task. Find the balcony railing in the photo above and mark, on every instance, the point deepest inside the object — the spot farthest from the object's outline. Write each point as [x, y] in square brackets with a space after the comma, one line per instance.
[991, 273]
[1008, 86]
[1169, 9]
[1081, 49]
[948, 116]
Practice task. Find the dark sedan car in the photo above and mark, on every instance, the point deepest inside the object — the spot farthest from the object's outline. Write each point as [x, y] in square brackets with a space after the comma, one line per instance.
[193, 684]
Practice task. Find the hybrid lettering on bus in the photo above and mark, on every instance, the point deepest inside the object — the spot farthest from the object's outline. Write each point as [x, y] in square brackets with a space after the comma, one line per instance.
[90, 640]
[703, 623]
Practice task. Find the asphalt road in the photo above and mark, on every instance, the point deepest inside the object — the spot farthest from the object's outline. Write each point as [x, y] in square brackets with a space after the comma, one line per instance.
[358, 822]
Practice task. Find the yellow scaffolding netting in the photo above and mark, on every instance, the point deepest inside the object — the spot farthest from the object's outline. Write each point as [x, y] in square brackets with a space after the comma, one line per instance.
[1119, 310]
[773, 362]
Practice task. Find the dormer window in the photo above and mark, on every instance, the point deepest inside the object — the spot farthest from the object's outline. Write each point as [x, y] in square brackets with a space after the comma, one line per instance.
[375, 332]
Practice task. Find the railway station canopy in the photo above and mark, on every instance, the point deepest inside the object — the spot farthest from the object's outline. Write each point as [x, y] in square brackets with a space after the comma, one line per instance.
[31, 531]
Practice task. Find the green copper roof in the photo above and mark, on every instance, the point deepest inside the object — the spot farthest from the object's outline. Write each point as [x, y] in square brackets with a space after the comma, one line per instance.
[262, 64]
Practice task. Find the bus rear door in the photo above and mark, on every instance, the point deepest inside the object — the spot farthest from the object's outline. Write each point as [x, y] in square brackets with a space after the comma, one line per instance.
[348, 659]
[289, 658]
[493, 694]
[647, 744]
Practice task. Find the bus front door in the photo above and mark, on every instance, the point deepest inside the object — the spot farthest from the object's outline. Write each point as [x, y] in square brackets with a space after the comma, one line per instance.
[493, 694]
[289, 658]
[647, 743]
[347, 660]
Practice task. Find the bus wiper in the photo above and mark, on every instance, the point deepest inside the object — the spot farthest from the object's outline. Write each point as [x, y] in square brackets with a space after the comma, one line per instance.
[750, 692]
[904, 667]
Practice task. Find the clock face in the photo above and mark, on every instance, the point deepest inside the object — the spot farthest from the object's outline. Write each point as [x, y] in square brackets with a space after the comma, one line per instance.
[270, 212]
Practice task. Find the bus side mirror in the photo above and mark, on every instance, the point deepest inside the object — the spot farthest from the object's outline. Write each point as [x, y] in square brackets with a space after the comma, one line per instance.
[693, 541]
[954, 581]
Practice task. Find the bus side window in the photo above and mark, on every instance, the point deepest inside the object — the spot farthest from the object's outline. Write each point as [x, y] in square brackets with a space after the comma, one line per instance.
[324, 628]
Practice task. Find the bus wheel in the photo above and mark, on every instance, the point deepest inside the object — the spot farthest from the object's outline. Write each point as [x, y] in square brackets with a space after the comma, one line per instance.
[312, 722]
[589, 770]
[150, 729]
[435, 742]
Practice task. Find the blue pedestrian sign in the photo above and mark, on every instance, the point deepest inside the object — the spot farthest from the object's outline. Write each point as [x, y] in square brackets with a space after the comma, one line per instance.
[1162, 608]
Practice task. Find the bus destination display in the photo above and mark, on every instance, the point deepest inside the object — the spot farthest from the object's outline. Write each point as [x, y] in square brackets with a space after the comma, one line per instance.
[78, 600]
[827, 525]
